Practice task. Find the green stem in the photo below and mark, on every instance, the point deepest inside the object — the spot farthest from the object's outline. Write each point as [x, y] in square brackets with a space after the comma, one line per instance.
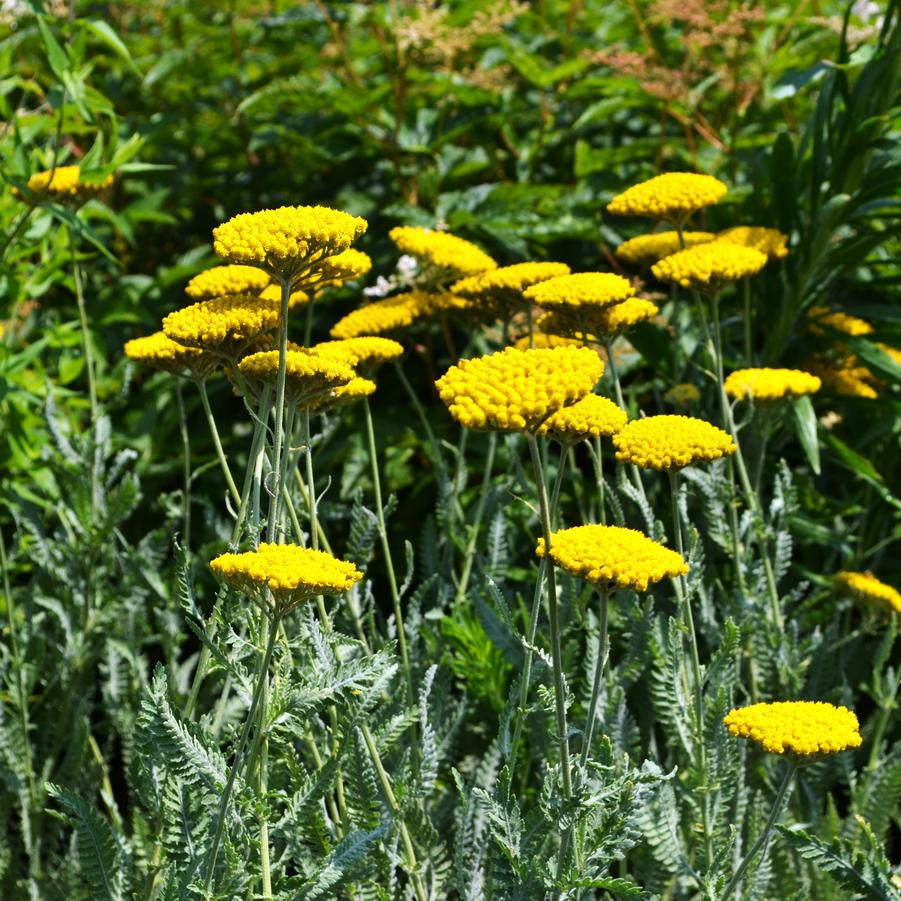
[263, 769]
[217, 443]
[311, 483]
[597, 459]
[764, 837]
[603, 652]
[308, 325]
[618, 391]
[186, 457]
[278, 436]
[423, 419]
[748, 323]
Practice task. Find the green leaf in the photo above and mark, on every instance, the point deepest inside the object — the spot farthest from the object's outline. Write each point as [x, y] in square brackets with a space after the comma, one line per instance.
[56, 56]
[109, 37]
[861, 467]
[805, 420]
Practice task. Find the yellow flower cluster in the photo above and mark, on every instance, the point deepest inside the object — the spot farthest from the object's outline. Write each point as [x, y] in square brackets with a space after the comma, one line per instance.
[499, 292]
[647, 249]
[160, 352]
[805, 728]
[672, 196]
[767, 385]
[840, 322]
[613, 321]
[354, 390]
[309, 377]
[342, 267]
[769, 241]
[364, 353]
[590, 417]
[582, 291]
[286, 240]
[566, 329]
[64, 183]
[845, 376]
[547, 339]
[682, 395]
[670, 442]
[223, 324]
[869, 590]
[273, 293]
[709, 266]
[387, 315]
[222, 280]
[516, 390]
[294, 574]
[457, 257]
[612, 555]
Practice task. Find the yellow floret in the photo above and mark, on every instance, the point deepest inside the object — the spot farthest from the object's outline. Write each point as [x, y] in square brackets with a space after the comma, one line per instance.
[709, 266]
[767, 385]
[222, 280]
[581, 292]
[542, 338]
[845, 377]
[363, 353]
[273, 293]
[670, 442]
[840, 322]
[516, 390]
[613, 321]
[590, 417]
[804, 728]
[310, 379]
[867, 589]
[354, 390]
[499, 293]
[647, 249]
[769, 241]
[64, 183]
[682, 395]
[454, 256]
[289, 241]
[160, 352]
[613, 556]
[388, 315]
[672, 196]
[293, 574]
[225, 325]
[343, 267]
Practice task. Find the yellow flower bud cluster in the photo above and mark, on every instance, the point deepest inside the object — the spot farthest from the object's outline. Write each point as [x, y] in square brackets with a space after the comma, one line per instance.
[769, 241]
[768, 385]
[838, 321]
[364, 353]
[804, 728]
[457, 257]
[221, 280]
[309, 378]
[64, 183]
[868, 590]
[672, 196]
[499, 292]
[647, 249]
[516, 390]
[590, 417]
[287, 240]
[342, 267]
[670, 442]
[293, 574]
[709, 266]
[580, 292]
[160, 352]
[388, 315]
[613, 321]
[225, 325]
[613, 556]
[682, 395]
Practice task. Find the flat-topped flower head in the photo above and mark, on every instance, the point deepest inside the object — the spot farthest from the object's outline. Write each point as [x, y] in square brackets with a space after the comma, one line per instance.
[613, 321]
[837, 321]
[353, 391]
[160, 352]
[499, 292]
[581, 292]
[516, 390]
[382, 317]
[869, 591]
[708, 267]
[291, 573]
[647, 249]
[769, 241]
[806, 729]
[223, 325]
[454, 257]
[343, 267]
[682, 395]
[590, 417]
[613, 556]
[542, 338]
[230, 279]
[770, 385]
[289, 241]
[670, 442]
[310, 379]
[673, 196]
[566, 328]
[364, 353]
[845, 376]
[64, 184]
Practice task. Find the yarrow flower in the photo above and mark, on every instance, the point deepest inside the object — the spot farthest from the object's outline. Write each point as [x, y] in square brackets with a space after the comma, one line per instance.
[768, 385]
[542, 338]
[516, 390]
[356, 389]
[391, 314]
[293, 574]
[273, 294]
[769, 241]
[309, 377]
[64, 184]
[288, 242]
[613, 556]
[343, 267]
[647, 249]
[838, 321]
[844, 376]
[582, 291]
[160, 352]
[707, 267]
[672, 196]
[803, 728]
[499, 292]
[455, 256]
[221, 280]
[682, 395]
[590, 417]
[613, 321]
[869, 591]
[363, 353]
[670, 442]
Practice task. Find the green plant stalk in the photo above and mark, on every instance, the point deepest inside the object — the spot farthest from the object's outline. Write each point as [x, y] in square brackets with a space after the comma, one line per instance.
[595, 451]
[519, 715]
[701, 748]
[618, 391]
[603, 652]
[262, 782]
[764, 837]
[386, 551]
[748, 322]
[186, 458]
[423, 419]
[886, 706]
[385, 781]
[262, 678]
[217, 443]
[283, 474]
[278, 435]
[556, 647]
[308, 324]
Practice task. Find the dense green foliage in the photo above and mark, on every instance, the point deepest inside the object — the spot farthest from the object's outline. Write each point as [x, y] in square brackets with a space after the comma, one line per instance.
[511, 125]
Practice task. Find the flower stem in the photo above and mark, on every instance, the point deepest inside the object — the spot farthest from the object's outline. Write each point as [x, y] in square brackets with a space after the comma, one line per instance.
[603, 652]
[186, 458]
[764, 837]
[748, 322]
[217, 443]
[278, 436]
